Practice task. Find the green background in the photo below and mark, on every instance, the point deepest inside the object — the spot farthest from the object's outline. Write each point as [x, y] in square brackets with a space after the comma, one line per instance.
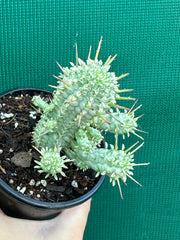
[145, 35]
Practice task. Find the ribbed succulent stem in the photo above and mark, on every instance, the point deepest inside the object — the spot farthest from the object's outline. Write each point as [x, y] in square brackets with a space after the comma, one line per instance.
[81, 109]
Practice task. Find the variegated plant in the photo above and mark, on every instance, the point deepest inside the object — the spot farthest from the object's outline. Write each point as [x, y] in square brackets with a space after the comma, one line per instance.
[81, 108]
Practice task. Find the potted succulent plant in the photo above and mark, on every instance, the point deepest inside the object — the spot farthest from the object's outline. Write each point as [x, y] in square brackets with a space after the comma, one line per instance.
[66, 133]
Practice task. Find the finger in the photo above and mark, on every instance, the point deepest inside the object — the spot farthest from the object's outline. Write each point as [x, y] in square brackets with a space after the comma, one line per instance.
[2, 213]
[81, 210]
[71, 222]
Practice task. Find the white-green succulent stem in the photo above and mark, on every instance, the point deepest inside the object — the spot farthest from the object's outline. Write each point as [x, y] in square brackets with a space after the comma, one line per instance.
[114, 163]
[81, 108]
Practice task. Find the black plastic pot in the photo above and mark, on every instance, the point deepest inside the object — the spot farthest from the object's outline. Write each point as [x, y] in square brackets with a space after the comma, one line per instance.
[17, 205]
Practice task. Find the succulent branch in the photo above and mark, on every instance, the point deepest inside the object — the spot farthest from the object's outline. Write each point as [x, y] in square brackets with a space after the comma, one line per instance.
[81, 109]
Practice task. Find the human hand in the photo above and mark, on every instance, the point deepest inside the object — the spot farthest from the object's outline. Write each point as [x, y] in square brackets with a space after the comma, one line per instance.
[70, 224]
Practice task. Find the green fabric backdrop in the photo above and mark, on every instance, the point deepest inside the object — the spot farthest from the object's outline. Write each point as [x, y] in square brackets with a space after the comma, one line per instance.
[145, 35]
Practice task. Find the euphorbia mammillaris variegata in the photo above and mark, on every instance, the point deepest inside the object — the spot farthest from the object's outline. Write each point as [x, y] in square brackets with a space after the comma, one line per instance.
[80, 110]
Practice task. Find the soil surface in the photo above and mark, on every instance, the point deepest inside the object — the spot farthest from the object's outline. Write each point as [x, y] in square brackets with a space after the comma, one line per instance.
[18, 117]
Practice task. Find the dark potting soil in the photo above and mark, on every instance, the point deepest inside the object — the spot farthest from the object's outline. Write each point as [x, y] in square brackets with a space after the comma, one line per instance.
[18, 118]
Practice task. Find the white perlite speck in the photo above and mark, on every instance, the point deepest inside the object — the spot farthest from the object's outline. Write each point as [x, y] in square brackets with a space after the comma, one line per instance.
[1, 151]
[32, 114]
[23, 190]
[16, 124]
[38, 183]
[14, 174]
[44, 183]
[6, 115]
[11, 181]
[32, 182]
[74, 184]
[38, 195]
